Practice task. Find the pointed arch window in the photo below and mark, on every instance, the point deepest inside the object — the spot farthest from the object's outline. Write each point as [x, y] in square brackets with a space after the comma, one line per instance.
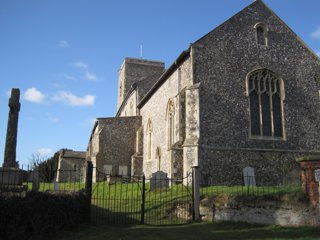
[261, 34]
[170, 123]
[158, 158]
[149, 139]
[266, 95]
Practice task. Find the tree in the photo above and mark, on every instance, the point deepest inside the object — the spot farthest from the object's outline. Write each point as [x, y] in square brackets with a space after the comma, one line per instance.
[47, 167]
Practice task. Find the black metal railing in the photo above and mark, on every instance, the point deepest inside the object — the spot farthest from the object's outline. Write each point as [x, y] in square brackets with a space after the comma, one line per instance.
[141, 200]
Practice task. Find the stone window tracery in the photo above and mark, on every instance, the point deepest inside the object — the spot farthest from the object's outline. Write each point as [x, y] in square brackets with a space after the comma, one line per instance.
[266, 95]
[149, 139]
[170, 123]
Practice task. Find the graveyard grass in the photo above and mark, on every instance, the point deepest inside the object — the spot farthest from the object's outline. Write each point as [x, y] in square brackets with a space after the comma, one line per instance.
[203, 231]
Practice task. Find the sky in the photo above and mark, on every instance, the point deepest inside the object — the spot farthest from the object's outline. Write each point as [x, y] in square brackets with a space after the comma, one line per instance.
[64, 56]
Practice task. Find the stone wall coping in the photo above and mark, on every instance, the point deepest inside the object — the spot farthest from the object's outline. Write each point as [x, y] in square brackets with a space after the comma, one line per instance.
[308, 158]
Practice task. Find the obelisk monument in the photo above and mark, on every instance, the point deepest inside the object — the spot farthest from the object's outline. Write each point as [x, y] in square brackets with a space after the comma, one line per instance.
[12, 130]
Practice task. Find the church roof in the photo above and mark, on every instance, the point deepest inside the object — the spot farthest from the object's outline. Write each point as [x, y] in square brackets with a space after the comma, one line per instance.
[73, 154]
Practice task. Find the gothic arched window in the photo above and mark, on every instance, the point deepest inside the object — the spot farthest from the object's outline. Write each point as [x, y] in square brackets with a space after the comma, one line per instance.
[261, 34]
[266, 94]
[170, 123]
[149, 139]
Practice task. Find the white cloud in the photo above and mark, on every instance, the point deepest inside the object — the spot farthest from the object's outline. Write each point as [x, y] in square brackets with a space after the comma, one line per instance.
[44, 152]
[69, 77]
[34, 95]
[316, 34]
[73, 100]
[63, 44]
[81, 65]
[90, 76]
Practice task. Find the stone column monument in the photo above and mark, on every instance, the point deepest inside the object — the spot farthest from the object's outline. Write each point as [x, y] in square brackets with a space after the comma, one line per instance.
[12, 130]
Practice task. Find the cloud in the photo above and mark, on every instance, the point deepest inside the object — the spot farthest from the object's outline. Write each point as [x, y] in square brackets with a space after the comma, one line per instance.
[316, 34]
[90, 76]
[69, 77]
[73, 100]
[44, 152]
[34, 95]
[63, 44]
[81, 65]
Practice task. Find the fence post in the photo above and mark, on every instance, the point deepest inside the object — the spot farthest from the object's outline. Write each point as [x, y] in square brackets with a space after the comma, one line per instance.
[88, 186]
[195, 194]
[143, 198]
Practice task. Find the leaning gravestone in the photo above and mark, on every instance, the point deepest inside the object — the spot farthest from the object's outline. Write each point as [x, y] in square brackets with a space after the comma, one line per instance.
[159, 179]
[249, 177]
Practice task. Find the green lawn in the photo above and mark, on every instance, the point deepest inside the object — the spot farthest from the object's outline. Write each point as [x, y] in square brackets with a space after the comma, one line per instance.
[200, 231]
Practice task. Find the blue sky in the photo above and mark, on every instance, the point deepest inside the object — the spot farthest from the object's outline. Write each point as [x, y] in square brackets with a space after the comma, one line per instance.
[65, 55]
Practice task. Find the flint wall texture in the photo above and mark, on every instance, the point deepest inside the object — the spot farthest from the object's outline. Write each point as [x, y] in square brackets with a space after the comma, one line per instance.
[222, 60]
[155, 110]
[116, 142]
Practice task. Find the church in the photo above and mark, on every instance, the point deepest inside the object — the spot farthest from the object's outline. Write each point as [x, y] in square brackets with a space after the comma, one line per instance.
[245, 95]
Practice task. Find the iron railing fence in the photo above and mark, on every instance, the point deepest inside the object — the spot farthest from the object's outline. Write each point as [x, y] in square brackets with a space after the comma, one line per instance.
[136, 199]
[252, 185]
[16, 182]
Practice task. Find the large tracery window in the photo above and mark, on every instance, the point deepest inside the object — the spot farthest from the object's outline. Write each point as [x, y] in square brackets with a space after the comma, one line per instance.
[266, 94]
[149, 139]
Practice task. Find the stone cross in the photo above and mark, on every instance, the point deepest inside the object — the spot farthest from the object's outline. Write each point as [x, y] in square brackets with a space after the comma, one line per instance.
[12, 130]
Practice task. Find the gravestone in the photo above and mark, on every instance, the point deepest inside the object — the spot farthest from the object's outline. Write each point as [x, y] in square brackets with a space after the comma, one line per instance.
[248, 176]
[55, 186]
[158, 180]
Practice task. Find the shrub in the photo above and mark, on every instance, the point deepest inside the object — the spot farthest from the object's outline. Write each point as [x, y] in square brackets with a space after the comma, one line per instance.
[38, 213]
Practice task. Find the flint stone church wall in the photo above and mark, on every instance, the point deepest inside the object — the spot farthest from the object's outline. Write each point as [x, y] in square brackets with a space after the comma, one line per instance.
[155, 110]
[222, 60]
[116, 143]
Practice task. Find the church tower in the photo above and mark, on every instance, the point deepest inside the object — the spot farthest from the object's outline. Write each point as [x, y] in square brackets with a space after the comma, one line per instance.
[133, 71]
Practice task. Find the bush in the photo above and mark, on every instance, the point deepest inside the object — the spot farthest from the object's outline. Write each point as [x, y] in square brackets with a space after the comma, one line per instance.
[38, 213]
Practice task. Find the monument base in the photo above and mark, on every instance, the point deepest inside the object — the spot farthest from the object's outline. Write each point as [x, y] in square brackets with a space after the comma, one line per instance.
[10, 176]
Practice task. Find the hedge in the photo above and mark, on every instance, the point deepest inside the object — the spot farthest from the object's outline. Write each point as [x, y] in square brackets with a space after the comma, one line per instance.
[41, 212]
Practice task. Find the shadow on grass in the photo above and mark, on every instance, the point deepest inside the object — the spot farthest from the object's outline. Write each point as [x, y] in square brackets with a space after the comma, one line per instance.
[192, 231]
[101, 215]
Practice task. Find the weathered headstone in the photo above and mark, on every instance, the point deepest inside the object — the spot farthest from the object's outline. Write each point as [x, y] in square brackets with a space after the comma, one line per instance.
[12, 130]
[248, 176]
[55, 186]
[159, 179]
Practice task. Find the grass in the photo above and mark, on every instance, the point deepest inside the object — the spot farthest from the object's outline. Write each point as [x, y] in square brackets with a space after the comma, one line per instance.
[201, 231]
[121, 202]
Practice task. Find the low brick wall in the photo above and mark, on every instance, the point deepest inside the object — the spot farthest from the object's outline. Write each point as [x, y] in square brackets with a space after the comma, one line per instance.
[259, 210]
